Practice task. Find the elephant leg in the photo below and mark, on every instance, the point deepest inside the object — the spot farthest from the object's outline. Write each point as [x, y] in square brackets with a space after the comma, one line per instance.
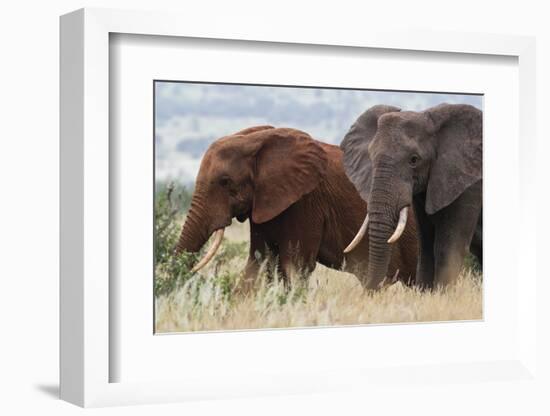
[259, 253]
[299, 238]
[426, 233]
[293, 261]
[298, 258]
[455, 228]
[449, 258]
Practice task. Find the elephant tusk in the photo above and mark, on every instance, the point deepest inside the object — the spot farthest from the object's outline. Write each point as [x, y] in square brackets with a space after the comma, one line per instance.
[359, 236]
[400, 225]
[218, 235]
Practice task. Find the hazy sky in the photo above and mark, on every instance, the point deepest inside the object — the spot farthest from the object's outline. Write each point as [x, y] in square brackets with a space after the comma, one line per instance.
[189, 117]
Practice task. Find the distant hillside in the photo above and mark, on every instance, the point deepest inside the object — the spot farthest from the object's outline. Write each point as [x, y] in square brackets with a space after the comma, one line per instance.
[189, 117]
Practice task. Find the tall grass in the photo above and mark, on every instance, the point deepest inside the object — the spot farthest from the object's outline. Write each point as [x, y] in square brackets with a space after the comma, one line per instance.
[210, 300]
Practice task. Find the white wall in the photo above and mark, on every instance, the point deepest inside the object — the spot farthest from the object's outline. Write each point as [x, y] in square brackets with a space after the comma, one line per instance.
[29, 56]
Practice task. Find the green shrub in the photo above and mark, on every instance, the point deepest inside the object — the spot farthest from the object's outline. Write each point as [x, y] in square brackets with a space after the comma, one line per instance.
[172, 272]
[171, 202]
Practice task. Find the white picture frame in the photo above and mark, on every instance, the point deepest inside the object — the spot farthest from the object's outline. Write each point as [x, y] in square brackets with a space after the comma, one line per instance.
[85, 220]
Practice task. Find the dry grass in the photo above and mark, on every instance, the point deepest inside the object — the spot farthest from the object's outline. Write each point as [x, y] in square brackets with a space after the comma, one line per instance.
[207, 302]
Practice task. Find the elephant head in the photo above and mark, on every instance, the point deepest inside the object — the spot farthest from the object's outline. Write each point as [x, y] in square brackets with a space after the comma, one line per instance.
[256, 173]
[392, 155]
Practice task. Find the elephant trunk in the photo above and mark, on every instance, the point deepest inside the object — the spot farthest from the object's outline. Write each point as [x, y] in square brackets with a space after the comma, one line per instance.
[379, 251]
[383, 222]
[195, 231]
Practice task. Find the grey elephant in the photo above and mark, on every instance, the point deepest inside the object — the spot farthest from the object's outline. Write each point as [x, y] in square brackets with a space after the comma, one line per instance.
[430, 161]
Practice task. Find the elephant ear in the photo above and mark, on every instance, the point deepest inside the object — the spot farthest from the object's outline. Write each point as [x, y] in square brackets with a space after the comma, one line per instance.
[289, 165]
[458, 133]
[357, 163]
[250, 130]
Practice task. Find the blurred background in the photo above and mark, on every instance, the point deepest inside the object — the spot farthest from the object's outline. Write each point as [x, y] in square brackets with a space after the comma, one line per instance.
[190, 116]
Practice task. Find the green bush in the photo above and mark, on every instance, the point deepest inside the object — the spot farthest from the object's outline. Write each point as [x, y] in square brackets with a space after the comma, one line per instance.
[172, 272]
[171, 203]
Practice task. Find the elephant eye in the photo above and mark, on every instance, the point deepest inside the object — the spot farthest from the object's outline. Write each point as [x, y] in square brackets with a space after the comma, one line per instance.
[413, 161]
[224, 181]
